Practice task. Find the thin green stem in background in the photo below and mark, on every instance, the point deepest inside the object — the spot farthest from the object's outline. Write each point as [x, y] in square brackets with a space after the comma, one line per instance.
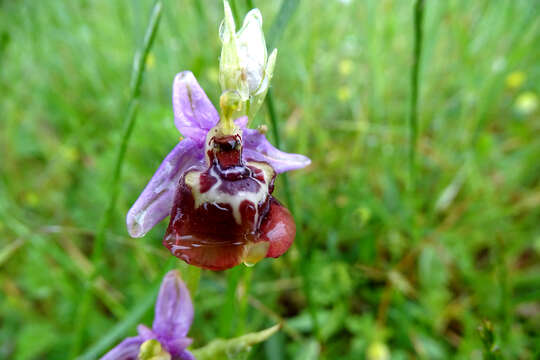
[275, 134]
[243, 303]
[139, 64]
[302, 249]
[229, 312]
[286, 11]
[284, 15]
[413, 107]
[234, 10]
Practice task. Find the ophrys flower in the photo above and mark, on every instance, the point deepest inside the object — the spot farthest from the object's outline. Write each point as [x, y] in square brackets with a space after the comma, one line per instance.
[167, 337]
[216, 184]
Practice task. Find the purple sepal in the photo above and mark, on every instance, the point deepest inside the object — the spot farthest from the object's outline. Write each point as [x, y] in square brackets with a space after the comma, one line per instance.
[174, 309]
[185, 355]
[194, 113]
[258, 148]
[155, 202]
[126, 350]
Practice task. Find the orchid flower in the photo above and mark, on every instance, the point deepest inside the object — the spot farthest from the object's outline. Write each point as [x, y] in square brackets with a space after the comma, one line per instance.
[217, 183]
[235, 220]
[166, 340]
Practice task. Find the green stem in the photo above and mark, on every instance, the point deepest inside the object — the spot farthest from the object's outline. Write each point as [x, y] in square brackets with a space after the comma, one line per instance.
[139, 64]
[246, 282]
[235, 13]
[413, 108]
[277, 140]
[228, 312]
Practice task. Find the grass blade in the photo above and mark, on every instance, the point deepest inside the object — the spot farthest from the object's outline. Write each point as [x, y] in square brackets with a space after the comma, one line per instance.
[284, 15]
[129, 122]
[413, 107]
[286, 11]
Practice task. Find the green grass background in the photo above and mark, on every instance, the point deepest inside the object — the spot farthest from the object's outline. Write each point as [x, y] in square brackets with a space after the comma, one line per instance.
[410, 273]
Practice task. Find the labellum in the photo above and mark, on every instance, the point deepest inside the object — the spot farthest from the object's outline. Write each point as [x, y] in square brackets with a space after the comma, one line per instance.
[225, 214]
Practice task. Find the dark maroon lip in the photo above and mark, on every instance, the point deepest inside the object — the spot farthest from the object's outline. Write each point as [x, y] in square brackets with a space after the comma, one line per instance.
[209, 236]
[238, 211]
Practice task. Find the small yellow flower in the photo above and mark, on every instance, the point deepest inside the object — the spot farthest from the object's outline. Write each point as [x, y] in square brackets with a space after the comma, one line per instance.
[344, 93]
[345, 67]
[363, 214]
[515, 79]
[31, 199]
[526, 103]
[378, 351]
[150, 61]
[69, 153]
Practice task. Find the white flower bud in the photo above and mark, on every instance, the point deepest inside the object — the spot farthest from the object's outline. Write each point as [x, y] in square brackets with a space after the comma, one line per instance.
[244, 64]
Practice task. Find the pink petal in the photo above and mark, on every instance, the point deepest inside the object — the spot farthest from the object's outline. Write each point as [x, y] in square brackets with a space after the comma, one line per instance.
[257, 148]
[174, 309]
[155, 202]
[126, 350]
[194, 114]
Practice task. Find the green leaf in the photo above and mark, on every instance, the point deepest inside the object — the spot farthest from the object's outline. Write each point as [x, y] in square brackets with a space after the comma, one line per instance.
[34, 340]
[233, 348]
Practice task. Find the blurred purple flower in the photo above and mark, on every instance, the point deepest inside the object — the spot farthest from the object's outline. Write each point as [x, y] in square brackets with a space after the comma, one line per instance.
[194, 116]
[172, 320]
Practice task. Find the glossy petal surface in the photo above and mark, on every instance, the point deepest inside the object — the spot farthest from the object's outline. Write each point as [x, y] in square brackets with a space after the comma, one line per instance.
[213, 234]
[278, 229]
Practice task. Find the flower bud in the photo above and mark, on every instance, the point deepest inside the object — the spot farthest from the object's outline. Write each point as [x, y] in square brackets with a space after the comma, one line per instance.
[244, 64]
